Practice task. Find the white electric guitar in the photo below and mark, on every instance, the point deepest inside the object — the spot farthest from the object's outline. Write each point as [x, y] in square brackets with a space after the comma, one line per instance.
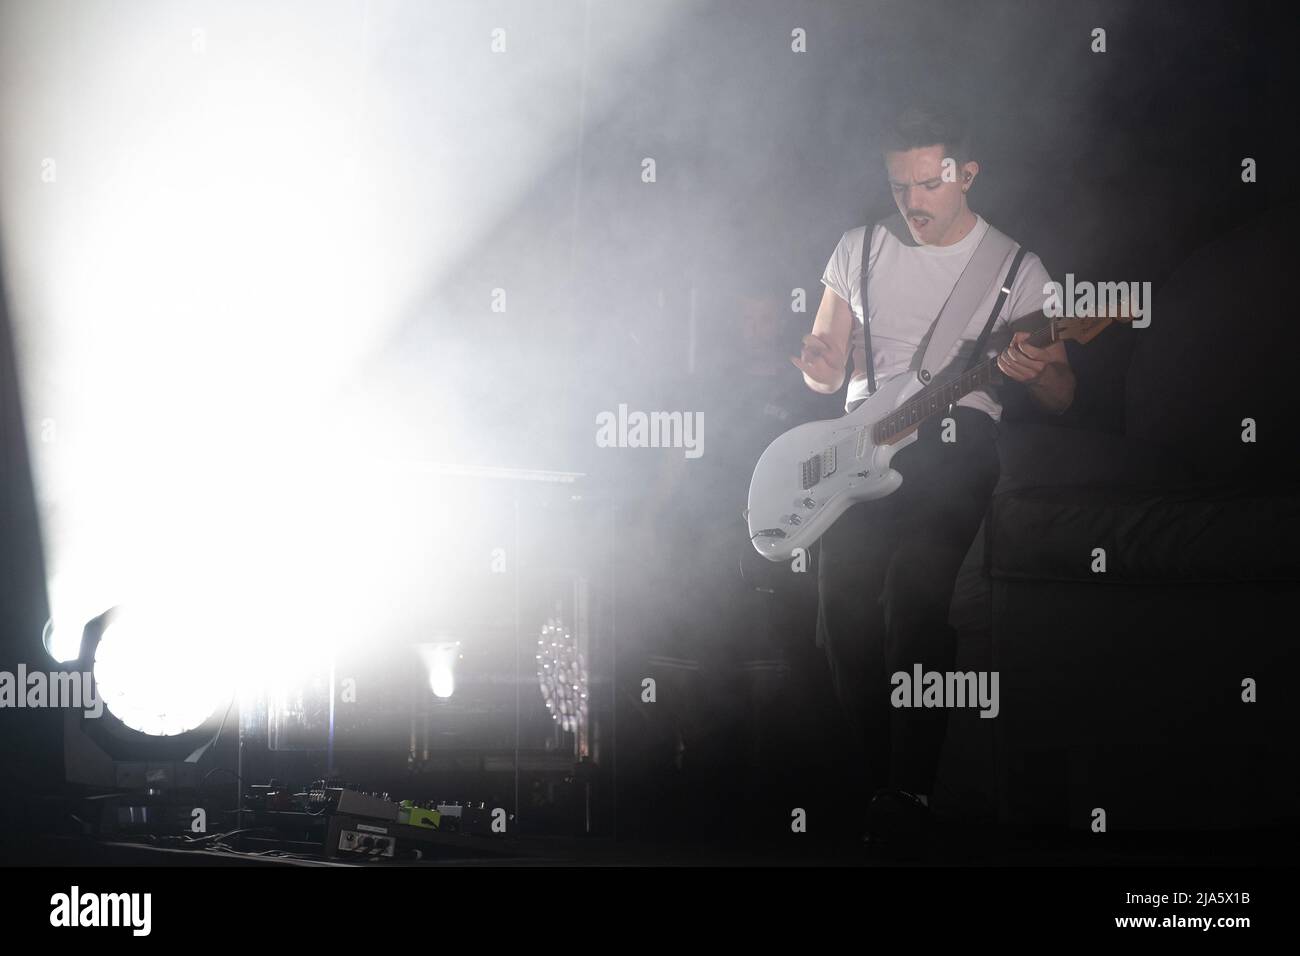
[813, 473]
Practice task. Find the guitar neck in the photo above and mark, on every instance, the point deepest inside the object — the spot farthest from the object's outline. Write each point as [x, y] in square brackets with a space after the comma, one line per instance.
[908, 417]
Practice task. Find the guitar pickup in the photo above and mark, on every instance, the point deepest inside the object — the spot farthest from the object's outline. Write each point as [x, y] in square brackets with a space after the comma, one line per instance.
[818, 467]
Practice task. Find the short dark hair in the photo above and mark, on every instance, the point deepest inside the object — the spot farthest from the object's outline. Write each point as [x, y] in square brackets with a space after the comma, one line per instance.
[919, 125]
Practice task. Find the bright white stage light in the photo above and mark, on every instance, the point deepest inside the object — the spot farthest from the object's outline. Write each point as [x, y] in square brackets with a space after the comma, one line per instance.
[215, 232]
[73, 604]
[155, 680]
[440, 660]
[62, 642]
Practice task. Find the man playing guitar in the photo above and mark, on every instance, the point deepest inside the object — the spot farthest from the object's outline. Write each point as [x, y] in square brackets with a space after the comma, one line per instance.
[888, 566]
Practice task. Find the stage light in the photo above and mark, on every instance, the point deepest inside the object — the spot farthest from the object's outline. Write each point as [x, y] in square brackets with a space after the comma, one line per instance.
[155, 678]
[562, 676]
[440, 661]
[218, 345]
[73, 602]
[62, 642]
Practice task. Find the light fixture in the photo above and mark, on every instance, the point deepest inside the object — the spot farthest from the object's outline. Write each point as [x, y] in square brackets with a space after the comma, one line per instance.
[562, 675]
[155, 676]
[62, 643]
[440, 661]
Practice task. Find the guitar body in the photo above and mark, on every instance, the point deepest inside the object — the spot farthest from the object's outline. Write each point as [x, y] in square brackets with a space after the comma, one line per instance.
[813, 473]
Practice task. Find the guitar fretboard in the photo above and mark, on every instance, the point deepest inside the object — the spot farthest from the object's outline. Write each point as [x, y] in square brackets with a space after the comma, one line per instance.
[909, 416]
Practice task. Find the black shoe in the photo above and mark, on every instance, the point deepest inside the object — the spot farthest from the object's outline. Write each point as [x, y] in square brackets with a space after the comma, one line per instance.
[898, 823]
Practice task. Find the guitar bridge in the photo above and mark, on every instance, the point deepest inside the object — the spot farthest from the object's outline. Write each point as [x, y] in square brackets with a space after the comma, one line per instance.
[818, 467]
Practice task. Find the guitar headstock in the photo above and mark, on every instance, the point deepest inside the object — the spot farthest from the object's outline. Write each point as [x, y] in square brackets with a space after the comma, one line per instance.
[1081, 330]
[1084, 329]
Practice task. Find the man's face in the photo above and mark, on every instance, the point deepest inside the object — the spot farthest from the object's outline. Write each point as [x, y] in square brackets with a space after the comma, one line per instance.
[931, 206]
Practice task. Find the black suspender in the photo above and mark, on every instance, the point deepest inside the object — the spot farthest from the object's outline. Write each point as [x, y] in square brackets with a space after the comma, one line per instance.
[866, 314]
[978, 354]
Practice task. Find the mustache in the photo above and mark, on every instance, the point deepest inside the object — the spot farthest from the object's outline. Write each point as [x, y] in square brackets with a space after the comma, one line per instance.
[919, 212]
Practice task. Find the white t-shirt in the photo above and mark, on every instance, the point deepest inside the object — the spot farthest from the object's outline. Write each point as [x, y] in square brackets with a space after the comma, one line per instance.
[908, 285]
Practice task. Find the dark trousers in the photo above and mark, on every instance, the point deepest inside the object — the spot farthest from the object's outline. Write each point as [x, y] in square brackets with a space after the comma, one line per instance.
[886, 571]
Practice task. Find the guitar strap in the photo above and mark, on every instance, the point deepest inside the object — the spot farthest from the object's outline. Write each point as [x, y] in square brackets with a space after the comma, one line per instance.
[973, 286]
